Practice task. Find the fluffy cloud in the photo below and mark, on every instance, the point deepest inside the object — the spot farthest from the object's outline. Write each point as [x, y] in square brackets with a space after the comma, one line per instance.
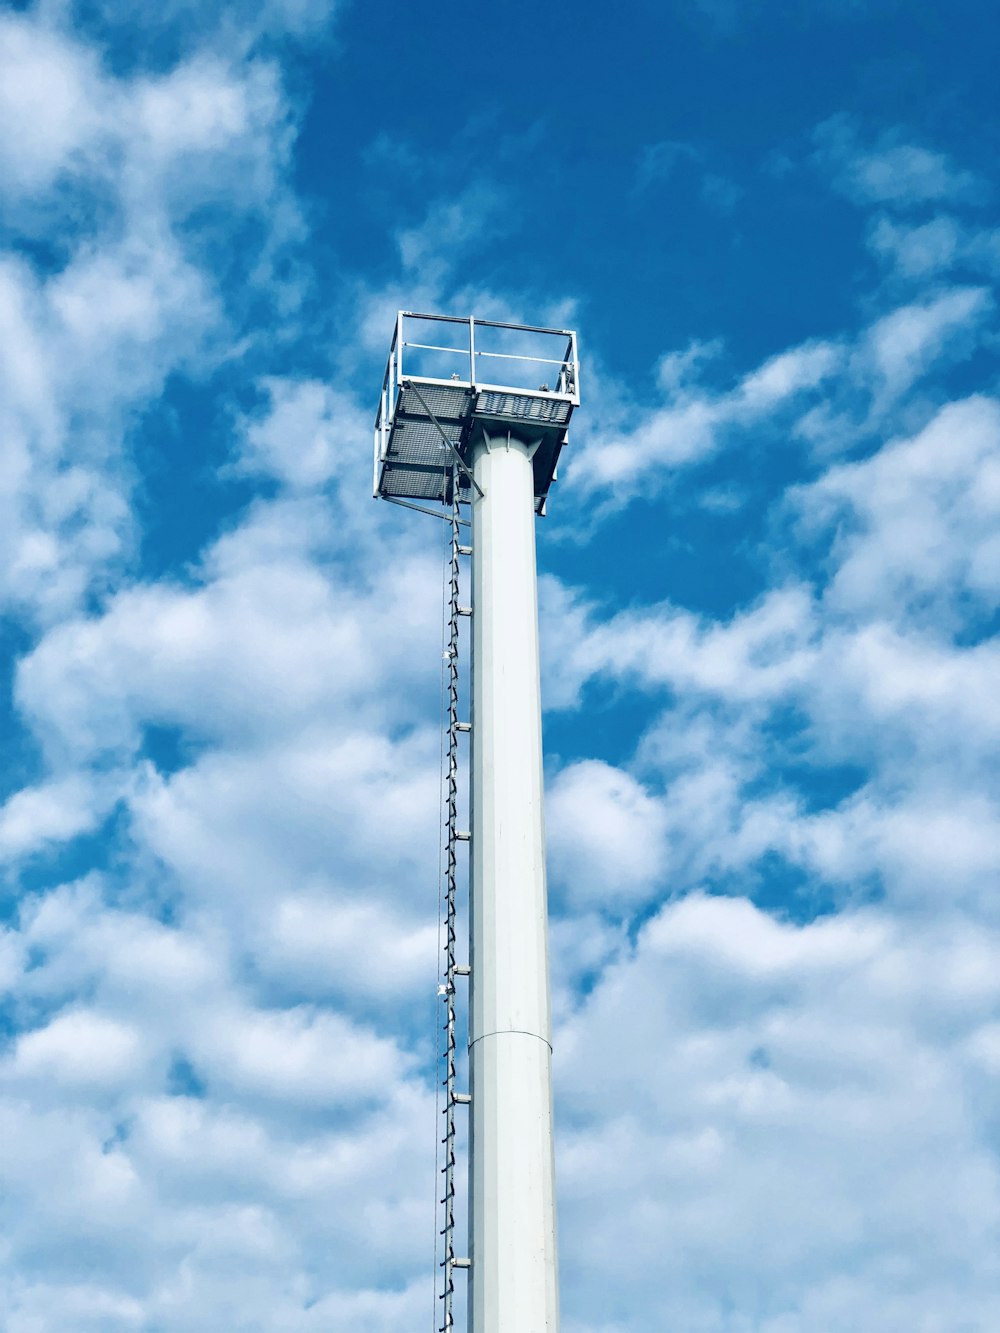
[164, 655]
[48, 104]
[605, 835]
[918, 520]
[761, 653]
[770, 1170]
[91, 333]
[873, 686]
[302, 439]
[175, 1129]
[774, 913]
[52, 812]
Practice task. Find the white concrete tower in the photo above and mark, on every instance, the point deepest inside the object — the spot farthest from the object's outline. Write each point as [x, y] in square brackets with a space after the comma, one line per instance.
[490, 451]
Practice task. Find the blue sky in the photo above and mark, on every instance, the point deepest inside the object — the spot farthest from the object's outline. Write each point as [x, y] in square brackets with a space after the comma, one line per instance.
[769, 581]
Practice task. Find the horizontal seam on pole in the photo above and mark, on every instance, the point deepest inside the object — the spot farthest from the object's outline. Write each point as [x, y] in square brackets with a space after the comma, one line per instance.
[512, 1032]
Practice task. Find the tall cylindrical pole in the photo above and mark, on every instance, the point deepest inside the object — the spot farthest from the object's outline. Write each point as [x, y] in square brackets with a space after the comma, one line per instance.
[514, 1282]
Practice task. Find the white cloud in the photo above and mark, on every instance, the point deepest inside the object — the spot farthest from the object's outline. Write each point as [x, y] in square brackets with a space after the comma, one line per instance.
[680, 370]
[216, 1106]
[295, 1055]
[720, 193]
[205, 1213]
[52, 812]
[630, 457]
[194, 1125]
[762, 653]
[307, 436]
[348, 804]
[605, 836]
[789, 373]
[800, 1098]
[865, 675]
[325, 944]
[49, 104]
[913, 713]
[78, 1049]
[138, 964]
[903, 345]
[87, 1307]
[305, 643]
[842, 391]
[926, 706]
[890, 171]
[129, 297]
[921, 251]
[934, 850]
[915, 525]
[928, 249]
[449, 227]
[302, 1158]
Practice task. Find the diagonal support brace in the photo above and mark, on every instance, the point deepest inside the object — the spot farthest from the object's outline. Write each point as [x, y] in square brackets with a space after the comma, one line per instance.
[459, 460]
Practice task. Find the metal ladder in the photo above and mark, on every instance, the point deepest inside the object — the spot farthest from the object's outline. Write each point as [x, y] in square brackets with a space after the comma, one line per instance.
[451, 968]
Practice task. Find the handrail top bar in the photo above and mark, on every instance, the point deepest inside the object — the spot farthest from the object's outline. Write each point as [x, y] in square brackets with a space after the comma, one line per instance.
[517, 356]
[504, 356]
[486, 323]
[547, 394]
[432, 347]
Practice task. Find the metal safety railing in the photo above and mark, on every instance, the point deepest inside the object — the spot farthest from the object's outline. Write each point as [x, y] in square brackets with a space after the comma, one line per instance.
[535, 346]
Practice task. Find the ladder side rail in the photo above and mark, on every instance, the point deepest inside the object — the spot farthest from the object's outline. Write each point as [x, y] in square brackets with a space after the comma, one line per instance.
[451, 931]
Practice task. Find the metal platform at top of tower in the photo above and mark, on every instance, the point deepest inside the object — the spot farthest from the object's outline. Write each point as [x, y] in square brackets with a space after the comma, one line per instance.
[448, 379]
